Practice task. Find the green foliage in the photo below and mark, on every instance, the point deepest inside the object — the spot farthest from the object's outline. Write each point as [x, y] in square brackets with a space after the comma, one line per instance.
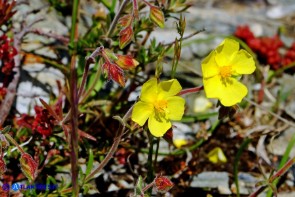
[82, 136]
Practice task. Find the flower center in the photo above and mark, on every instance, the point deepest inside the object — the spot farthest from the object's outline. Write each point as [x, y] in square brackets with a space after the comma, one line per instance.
[161, 106]
[225, 71]
[160, 110]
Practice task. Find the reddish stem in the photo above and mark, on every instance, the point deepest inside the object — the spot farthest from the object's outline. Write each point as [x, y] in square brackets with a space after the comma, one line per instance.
[283, 170]
[191, 90]
[51, 35]
[147, 187]
[89, 60]
[279, 173]
[135, 9]
[113, 149]
[51, 111]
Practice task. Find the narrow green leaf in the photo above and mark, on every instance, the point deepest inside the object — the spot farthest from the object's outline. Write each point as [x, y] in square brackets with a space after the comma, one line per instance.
[90, 163]
[138, 188]
[5, 129]
[236, 163]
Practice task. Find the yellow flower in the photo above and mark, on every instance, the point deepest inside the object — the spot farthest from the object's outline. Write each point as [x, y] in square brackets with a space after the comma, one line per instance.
[159, 105]
[217, 156]
[222, 67]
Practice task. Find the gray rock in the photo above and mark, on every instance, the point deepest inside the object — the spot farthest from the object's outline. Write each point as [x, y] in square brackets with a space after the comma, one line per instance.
[217, 180]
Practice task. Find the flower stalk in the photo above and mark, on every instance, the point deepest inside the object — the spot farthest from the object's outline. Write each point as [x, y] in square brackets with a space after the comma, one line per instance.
[191, 90]
[150, 172]
[74, 101]
[113, 148]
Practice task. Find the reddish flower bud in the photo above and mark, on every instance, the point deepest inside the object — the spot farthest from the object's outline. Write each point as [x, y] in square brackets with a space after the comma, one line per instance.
[126, 20]
[126, 62]
[157, 16]
[2, 166]
[29, 166]
[168, 136]
[114, 72]
[163, 184]
[125, 36]
[117, 74]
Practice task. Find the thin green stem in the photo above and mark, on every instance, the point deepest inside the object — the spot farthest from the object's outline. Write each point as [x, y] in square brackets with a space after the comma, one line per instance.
[186, 37]
[150, 175]
[236, 164]
[177, 53]
[112, 8]
[156, 154]
[106, 3]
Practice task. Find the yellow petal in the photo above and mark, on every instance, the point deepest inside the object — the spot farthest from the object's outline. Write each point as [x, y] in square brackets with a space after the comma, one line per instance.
[141, 112]
[243, 63]
[226, 51]
[233, 93]
[175, 107]
[180, 142]
[168, 88]
[156, 127]
[149, 91]
[209, 66]
[217, 156]
[213, 87]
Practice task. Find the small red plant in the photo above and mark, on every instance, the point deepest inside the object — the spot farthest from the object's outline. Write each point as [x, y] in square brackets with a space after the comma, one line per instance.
[43, 122]
[267, 48]
[163, 184]
[7, 53]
